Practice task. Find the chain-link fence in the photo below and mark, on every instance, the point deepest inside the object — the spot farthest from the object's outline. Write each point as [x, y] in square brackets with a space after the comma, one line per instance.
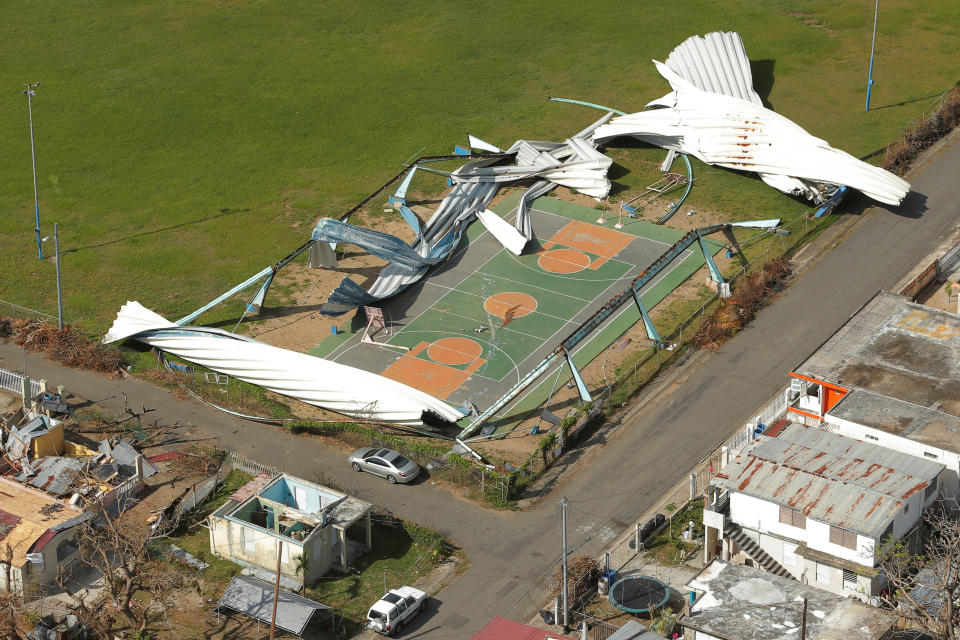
[11, 310]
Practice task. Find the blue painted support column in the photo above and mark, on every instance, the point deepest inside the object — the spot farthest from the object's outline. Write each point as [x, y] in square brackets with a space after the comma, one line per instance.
[647, 322]
[257, 302]
[581, 385]
[240, 287]
[400, 196]
[711, 265]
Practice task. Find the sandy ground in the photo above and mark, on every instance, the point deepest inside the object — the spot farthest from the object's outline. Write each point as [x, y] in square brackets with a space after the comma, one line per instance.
[943, 295]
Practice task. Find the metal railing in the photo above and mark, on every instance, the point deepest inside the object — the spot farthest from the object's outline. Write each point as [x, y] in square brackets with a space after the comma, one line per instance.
[241, 463]
[13, 382]
[949, 261]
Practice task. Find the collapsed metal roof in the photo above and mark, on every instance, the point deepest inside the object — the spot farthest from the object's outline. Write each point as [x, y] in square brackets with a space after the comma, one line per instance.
[316, 381]
[830, 478]
[706, 116]
[254, 598]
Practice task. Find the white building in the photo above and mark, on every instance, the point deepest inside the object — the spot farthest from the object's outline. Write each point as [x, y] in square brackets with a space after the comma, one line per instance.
[734, 601]
[306, 523]
[889, 376]
[818, 506]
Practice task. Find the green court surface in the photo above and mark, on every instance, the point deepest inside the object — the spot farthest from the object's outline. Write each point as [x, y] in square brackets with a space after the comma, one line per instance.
[478, 325]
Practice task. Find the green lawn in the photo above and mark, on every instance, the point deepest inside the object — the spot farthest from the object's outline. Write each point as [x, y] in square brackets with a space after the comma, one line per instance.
[183, 146]
[394, 561]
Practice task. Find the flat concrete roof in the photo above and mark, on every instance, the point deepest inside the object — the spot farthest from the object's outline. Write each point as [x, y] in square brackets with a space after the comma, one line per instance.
[743, 602]
[894, 348]
[905, 419]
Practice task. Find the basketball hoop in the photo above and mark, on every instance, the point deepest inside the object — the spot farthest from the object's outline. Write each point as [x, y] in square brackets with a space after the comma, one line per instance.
[375, 322]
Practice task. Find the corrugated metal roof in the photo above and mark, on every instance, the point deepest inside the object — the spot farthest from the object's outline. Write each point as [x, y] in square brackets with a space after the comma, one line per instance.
[53, 474]
[716, 62]
[830, 478]
[255, 598]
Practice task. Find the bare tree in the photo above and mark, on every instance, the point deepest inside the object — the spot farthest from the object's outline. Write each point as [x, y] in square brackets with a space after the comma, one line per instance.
[13, 622]
[924, 586]
[138, 581]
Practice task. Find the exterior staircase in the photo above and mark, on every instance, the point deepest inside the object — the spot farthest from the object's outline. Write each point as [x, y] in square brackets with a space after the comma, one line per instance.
[752, 549]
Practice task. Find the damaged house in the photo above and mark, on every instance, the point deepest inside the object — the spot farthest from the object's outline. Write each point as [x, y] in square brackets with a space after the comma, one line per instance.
[308, 522]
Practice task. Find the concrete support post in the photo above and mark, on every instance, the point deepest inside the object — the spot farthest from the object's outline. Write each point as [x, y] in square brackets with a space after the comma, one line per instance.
[709, 544]
[140, 468]
[725, 550]
[693, 486]
[25, 391]
[369, 532]
[342, 533]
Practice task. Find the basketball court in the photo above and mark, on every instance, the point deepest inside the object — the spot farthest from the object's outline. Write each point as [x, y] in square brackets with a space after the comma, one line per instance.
[478, 322]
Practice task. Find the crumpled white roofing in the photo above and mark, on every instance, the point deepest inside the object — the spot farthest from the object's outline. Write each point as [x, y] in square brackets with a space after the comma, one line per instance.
[716, 63]
[739, 134]
[584, 169]
[316, 381]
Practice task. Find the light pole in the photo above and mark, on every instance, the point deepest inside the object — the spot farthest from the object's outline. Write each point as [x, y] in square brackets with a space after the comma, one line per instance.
[30, 92]
[566, 608]
[873, 45]
[56, 254]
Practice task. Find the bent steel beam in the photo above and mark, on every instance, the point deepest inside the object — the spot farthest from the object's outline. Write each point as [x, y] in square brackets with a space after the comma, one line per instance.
[647, 322]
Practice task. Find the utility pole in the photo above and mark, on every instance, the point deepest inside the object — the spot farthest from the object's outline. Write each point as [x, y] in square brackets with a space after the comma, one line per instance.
[566, 608]
[30, 92]
[276, 590]
[803, 623]
[873, 45]
[56, 250]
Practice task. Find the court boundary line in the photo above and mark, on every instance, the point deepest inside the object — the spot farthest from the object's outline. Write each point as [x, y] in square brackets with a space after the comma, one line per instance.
[584, 344]
[557, 215]
[610, 282]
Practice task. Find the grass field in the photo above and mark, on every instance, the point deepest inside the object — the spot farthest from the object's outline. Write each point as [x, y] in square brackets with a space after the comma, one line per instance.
[182, 146]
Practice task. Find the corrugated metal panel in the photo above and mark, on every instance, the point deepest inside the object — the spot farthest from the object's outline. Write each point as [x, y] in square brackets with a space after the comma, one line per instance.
[316, 381]
[716, 62]
[254, 598]
[706, 117]
[830, 478]
[54, 474]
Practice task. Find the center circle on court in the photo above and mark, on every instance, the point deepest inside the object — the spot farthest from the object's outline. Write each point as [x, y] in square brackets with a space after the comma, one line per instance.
[564, 261]
[453, 351]
[510, 304]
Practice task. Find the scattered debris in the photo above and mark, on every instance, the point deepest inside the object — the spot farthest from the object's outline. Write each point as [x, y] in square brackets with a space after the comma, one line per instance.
[187, 558]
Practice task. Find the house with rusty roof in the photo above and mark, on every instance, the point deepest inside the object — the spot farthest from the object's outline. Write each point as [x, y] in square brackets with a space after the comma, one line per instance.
[889, 376]
[818, 506]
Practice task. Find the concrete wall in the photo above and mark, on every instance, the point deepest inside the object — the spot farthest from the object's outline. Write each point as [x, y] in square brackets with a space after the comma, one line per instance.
[950, 483]
[756, 514]
[253, 545]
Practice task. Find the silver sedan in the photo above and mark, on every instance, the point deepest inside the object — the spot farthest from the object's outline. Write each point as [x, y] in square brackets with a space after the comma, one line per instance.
[384, 463]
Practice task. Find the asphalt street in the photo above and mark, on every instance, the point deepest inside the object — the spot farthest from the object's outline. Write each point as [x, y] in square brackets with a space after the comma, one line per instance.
[512, 552]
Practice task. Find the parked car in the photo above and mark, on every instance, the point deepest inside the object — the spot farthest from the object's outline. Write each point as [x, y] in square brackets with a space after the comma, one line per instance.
[384, 463]
[395, 609]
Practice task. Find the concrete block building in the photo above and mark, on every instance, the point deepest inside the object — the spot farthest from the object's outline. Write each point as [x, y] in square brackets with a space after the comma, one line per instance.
[307, 523]
[818, 506]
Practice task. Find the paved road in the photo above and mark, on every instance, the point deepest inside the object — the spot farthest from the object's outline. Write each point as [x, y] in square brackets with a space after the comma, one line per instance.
[654, 448]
